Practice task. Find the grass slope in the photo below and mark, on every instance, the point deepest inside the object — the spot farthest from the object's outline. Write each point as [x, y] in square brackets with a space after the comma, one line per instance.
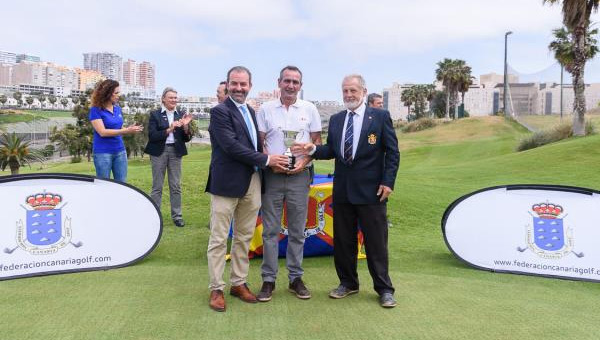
[27, 116]
[165, 296]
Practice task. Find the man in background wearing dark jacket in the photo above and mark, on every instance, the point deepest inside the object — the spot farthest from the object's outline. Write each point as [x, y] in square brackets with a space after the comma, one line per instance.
[168, 131]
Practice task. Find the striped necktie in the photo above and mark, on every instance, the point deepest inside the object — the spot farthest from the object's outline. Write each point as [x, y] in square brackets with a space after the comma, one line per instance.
[349, 136]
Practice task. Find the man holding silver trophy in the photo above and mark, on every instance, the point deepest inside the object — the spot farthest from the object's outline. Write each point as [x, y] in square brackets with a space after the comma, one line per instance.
[281, 123]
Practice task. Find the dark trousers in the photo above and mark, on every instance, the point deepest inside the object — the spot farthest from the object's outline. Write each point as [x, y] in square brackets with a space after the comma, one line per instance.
[373, 223]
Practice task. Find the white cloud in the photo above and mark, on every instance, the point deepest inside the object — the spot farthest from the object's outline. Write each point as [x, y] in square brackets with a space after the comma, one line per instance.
[178, 33]
[372, 27]
[410, 26]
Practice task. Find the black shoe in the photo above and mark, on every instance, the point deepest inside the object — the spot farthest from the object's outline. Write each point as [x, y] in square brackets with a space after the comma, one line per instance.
[341, 292]
[297, 287]
[386, 300]
[266, 292]
[179, 223]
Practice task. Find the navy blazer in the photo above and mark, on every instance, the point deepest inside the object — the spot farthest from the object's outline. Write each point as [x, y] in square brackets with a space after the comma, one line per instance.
[233, 159]
[375, 162]
[158, 124]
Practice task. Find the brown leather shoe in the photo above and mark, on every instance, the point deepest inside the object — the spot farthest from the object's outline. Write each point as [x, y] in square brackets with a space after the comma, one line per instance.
[217, 300]
[243, 293]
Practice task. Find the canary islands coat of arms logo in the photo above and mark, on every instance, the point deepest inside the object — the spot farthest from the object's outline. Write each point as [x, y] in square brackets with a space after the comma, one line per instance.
[44, 230]
[310, 230]
[547, 235]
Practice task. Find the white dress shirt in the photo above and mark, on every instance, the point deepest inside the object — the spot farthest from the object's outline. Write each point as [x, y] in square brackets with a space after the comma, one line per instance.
[171, 118]
[357, 121]
[253, 130]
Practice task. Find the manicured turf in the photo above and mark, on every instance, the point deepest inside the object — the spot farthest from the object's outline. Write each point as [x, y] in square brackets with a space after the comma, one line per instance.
[51, 114]
[545, 122]
[7, 118]
[27, 116]
[165, 296]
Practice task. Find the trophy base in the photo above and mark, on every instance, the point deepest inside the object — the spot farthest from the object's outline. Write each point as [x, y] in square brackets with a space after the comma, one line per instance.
[291, 162]
[291, 159]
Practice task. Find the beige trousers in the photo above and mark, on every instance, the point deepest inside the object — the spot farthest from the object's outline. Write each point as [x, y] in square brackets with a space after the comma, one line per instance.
[243, 211]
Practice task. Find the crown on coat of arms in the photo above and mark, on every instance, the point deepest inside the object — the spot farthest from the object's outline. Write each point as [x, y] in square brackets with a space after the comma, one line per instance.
[43, 201]
[547, 210]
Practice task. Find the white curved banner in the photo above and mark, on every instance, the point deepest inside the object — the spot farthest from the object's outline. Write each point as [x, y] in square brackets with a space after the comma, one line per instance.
[527, 229]
[58, 223]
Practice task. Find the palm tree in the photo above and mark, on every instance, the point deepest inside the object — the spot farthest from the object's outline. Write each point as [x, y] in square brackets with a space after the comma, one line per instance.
[444, 73]
[455, 75]
[451, 72]
[418, 95]
[430, 94]
[576, 18]
[17, 96]
[15, 152]
[408, 98]
[41, 98]
[52, 100]
[563, 47]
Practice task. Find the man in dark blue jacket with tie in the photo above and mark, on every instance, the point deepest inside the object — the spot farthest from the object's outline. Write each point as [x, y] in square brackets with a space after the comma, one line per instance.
[234, 182]
[364, 145]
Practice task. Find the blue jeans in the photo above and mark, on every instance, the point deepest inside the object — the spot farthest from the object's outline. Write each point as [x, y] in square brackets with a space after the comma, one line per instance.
[117, 162]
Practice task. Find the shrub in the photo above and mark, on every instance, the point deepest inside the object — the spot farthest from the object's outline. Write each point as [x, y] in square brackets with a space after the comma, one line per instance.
[419, 125]
[589, 128]
[555, 134]
[399, 124]
[48, 150]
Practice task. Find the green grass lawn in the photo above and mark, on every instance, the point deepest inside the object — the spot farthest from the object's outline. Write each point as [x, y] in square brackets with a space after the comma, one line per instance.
[165, 296]
[51, 114]
[203, 124]
[8, 118]
[544, 122]
[27, 116]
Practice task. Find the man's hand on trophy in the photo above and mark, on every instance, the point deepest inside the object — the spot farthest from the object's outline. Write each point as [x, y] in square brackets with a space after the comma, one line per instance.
[300, 165]
[278, 163]
[302, 149]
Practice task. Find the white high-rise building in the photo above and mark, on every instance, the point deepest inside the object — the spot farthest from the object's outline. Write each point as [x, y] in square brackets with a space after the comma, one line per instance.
[62, 79]
[145, 75]
[108, 64]
[8, 58]
[129, 73]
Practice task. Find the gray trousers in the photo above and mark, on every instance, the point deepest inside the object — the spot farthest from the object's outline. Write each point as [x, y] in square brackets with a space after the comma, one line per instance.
[293, 190]
[168, 161]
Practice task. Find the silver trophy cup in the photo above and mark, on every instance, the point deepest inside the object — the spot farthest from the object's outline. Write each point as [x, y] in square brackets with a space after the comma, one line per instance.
[289, 138]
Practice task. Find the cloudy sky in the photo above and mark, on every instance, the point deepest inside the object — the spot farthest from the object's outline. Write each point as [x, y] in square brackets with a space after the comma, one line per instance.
[194, 43]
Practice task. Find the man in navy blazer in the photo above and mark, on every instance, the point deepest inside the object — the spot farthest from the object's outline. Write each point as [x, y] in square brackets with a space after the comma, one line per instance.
[364, 145]
[168, 131]
[234, 182]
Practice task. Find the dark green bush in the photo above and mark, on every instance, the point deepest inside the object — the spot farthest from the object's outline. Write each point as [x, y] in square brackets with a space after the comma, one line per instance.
[48, 150]
[419, 125]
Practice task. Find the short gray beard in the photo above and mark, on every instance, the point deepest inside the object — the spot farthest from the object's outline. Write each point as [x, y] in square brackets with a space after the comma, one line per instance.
[352, 105]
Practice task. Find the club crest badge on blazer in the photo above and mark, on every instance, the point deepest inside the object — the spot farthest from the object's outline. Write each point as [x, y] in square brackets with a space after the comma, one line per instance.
[372, 139]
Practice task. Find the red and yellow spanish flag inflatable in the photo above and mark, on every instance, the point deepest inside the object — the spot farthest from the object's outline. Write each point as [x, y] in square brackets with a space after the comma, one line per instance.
[319, 223]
